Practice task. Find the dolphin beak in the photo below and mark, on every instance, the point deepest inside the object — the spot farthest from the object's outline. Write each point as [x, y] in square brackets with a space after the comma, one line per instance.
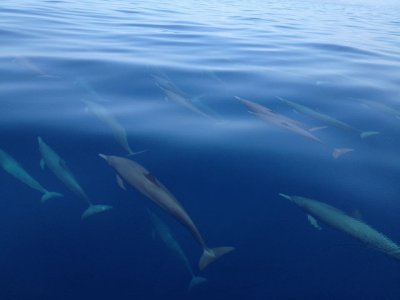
[285, 196]
[103, 156]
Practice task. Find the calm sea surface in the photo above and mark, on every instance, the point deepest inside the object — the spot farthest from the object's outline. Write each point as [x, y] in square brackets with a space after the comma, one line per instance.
[168, 78]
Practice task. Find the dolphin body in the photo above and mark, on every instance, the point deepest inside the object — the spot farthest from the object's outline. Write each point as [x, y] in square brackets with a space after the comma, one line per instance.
[58, 166]
[11, 166]
[166, 236]
[268, 116]
[141, 179]
[347, 224]
[173, 93]
[382, 108]
[117, 129]
[325, 118]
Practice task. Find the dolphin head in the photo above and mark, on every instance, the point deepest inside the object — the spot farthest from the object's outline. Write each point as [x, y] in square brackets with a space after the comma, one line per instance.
[112, 160]
[107, 158]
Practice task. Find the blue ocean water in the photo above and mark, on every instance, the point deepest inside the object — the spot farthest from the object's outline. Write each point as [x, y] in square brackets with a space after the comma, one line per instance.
[168, 73]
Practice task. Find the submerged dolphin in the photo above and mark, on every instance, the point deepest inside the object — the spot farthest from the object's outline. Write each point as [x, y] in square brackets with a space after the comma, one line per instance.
[268, 116]
[173, 93]
[11, 166]
[325, 118]
[58, 166]
[382, 107]
[117, 129]
[141, 179]
[347, 224]
[166, 236]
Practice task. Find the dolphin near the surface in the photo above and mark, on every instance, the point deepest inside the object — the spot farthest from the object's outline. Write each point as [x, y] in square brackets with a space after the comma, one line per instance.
[141, 179]
[270, 117]
[11, 166]
[347, 224]
[382, 107]
[173, 93]
[166, 236]
[58, 166]
[325, 118]
[117, 129]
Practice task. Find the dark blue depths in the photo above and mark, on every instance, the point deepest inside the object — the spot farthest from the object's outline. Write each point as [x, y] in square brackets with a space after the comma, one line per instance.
[340, 59]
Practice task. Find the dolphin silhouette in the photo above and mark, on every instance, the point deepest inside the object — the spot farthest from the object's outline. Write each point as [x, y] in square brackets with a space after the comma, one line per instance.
[166, 236]
[268, 116]
[11, 166]
[325, 118]
[117, 129]
[141, 179]
[58, 166]
[347, 224]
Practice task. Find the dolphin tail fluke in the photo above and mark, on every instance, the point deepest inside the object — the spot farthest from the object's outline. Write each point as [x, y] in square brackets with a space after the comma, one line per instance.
[210, 255]
[366, 134]
[337, 152]
[48, 195]
[196, 280]
[95, 209]
[136, 153]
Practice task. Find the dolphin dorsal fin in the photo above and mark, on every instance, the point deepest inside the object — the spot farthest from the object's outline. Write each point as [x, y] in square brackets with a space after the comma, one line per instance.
[313, 222]
[150, 177]
[120, 182]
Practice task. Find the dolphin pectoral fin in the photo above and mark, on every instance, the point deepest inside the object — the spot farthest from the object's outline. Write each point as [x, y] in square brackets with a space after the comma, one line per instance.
[337, 152]
[313, 222]
[120, 182]
[95, 209]
[196, 280]
[210, 255]
[48, 195]
[42, 164]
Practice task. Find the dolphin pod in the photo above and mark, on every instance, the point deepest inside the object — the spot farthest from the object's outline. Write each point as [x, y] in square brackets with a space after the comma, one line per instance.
[347, 224]
[166, 236]
[141, 179]
[11, 166]
[270, 117]
[58, 166]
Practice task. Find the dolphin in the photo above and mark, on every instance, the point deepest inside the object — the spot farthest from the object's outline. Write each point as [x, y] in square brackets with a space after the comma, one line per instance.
[382, 107]
[58, 166]
[11, 166]
[141, 179]
[28, 64]
[166, 236]
[270, 117]
[83, 84]
[325, 118]
[173, 93]
[347, 224]
[117, 129]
